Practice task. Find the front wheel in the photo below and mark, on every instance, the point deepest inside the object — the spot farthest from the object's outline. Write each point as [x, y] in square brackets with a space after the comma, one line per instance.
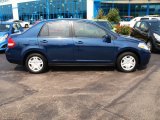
[127, 62]
[36, 63]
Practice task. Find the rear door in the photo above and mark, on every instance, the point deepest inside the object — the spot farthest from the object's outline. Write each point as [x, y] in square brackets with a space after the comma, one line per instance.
[55, 37]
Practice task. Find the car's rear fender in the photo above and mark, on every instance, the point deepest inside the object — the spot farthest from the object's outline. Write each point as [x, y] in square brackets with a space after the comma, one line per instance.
[33, 49]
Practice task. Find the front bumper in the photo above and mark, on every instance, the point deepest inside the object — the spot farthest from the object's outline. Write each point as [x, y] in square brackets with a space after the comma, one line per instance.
[144, 58]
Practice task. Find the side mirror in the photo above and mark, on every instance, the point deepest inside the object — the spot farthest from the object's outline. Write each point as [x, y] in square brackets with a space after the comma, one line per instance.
[107, 39]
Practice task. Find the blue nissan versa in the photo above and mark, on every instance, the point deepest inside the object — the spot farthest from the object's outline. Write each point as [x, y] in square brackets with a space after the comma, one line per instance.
[6, 29]
[75, 42]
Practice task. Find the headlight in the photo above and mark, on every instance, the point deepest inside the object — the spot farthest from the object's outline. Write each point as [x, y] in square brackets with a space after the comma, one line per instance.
[3, 38]
[157, 37]
[143, 46]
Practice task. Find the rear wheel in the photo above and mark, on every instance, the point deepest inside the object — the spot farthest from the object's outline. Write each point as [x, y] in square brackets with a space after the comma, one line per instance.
[127, 62]
[36, 63]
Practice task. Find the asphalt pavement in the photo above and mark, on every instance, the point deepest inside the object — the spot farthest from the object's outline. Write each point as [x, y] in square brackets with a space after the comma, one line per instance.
[80, 93]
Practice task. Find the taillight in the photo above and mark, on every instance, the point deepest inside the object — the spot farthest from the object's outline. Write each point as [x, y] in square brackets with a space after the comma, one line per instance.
[11, 43]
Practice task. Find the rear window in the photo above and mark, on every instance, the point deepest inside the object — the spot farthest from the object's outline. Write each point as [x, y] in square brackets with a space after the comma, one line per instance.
[144, 18]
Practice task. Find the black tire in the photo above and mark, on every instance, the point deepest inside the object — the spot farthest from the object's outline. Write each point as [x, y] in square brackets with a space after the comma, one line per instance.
[121, 56]
[44, 60]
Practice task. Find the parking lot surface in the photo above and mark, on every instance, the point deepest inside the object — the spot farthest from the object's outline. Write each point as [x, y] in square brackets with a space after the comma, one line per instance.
[79, 93]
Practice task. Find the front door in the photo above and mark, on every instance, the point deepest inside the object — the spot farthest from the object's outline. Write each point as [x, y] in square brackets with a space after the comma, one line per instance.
[90, 45]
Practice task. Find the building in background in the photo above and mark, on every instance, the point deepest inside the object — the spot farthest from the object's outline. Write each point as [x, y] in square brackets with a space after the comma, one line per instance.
[42, 9]
[131, 7]
[32, 10]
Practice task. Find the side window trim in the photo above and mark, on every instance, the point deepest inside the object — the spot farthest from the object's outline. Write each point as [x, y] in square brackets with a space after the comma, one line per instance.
[42, 28]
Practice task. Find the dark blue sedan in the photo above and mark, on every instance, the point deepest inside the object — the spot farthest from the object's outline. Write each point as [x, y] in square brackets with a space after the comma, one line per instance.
[75, 42]
[6, 29]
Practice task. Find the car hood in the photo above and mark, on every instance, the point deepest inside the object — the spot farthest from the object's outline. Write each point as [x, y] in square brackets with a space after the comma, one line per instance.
[129, 39]
[3, 33]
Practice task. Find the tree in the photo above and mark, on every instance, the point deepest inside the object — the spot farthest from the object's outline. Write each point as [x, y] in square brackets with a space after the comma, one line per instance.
[113, 15]
[101, 14]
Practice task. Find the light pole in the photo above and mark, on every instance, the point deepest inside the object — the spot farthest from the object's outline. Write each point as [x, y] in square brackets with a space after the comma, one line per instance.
[112, 3]
[47, 9]
[148, 4]
[22, 13]
[129, 8]
[59, 15]
[0, 14]
[75, 1]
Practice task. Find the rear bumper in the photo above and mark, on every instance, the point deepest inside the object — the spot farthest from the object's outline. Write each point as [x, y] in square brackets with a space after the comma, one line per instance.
[12, 57]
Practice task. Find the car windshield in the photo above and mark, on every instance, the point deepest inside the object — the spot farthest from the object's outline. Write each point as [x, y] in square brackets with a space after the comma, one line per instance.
[155, 26]
[105, 24]
[4, 27]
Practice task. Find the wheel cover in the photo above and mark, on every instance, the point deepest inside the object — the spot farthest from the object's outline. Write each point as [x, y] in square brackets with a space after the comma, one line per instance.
[35, 63]
[128, 63]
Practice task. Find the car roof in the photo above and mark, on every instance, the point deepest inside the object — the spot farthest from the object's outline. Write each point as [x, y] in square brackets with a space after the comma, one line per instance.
[69, 19]
[99, 20]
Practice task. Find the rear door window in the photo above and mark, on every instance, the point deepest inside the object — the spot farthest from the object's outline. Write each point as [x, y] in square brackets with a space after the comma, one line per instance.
[59, 29]
[56, 29]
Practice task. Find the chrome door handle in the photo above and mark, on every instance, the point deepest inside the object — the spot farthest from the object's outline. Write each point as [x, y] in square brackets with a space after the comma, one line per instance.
[79, 42]
[44, 41]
